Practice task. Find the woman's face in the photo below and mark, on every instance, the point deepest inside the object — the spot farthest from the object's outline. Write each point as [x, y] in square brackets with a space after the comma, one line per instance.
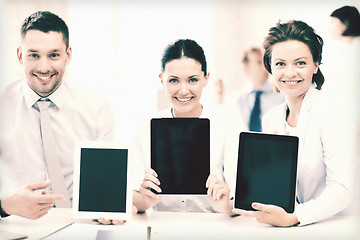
[292, 67]
[184, 81]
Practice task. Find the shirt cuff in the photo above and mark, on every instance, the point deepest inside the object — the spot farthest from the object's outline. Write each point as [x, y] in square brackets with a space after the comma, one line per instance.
[2, 212]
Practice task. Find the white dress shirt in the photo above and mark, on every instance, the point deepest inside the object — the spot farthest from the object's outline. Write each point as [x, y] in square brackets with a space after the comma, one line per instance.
[141, 159]
[75, 114]
[326, 159]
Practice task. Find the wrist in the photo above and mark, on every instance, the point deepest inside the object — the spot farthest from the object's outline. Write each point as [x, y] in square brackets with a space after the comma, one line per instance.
[293, 221]
[228, 209]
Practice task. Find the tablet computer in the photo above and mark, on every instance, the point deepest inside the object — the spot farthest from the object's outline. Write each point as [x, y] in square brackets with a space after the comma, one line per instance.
[266, 171]
[101, 184]
[180, 154]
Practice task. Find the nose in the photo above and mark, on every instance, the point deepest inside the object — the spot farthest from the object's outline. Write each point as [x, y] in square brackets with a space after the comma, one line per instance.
[184, 89]
[44, 65]
[290, 71]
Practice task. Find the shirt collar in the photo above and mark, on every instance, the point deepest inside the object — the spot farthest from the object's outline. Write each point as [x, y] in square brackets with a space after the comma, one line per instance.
[265, 88]
[31, 97]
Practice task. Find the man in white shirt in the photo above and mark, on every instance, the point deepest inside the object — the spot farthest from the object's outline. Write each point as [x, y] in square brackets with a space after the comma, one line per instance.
[76, 114]
[245, 100]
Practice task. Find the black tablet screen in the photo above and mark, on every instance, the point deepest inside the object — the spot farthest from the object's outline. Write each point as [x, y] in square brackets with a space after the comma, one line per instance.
[266, 171]
[180, 154]
[103, 179]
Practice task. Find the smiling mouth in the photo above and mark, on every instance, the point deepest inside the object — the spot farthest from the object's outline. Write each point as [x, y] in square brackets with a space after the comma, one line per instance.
[183, 99]
[44, 78]
[292, 82]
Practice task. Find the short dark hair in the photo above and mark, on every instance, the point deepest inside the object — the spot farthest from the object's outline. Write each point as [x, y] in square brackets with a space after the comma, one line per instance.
[350, 17]
[45, 21]
[184, 48]
[245, 58]
[300, 31]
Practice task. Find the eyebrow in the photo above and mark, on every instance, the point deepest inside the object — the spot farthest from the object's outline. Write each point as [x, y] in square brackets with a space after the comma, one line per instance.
[193, 76]
[33, 50]
[300, 58]
[295, 59]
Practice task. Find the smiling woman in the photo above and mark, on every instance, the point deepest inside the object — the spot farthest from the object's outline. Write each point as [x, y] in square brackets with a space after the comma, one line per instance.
[326, 162]
[184, 76]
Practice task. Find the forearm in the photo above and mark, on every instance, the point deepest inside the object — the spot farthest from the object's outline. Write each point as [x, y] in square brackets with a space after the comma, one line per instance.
[331, 201]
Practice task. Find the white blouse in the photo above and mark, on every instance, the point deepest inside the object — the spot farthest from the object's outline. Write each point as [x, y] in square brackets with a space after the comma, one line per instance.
[326, 160]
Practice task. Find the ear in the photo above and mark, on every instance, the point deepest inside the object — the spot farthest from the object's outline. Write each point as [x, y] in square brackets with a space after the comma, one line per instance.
[69, 55]
[161, 79]
[19, 55]
[316, 67]
[206, 79]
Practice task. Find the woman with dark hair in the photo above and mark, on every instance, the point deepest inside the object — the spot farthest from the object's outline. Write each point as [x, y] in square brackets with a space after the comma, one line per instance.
[326, 158]
[342, 63]
[184, 75]
[349, 19]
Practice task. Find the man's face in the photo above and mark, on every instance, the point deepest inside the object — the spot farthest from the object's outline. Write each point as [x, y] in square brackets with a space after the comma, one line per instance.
[44, 57]
[255, 69]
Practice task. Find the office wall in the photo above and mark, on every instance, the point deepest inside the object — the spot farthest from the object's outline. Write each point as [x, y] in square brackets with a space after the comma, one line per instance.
[117, 44]
[123, 42]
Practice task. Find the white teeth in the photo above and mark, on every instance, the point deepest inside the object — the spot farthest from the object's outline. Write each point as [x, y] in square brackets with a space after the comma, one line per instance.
[291, 82]
[183, 99]
[45, 78]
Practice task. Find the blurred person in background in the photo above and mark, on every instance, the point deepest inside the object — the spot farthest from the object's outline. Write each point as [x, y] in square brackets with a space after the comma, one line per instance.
[343, 72]
[342, 67]
[259, 96]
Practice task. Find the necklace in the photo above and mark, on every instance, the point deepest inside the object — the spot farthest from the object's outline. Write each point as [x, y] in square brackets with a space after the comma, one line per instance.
[172, 111]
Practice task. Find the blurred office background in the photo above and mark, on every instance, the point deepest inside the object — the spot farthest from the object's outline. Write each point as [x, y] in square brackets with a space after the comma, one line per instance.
[117, 44]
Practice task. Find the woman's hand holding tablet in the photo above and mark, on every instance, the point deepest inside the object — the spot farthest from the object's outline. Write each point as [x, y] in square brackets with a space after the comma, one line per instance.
[269, 214]
[149, 189]
[219, 195]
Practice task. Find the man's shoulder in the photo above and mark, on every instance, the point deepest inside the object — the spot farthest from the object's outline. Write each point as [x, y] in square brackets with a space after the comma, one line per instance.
[12, 89]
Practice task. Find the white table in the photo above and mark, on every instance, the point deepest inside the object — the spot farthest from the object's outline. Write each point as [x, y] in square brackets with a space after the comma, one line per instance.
[166, 225]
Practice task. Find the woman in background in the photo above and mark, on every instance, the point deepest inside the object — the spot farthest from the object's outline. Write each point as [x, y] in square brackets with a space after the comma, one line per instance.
[342, 68]
[326, 160]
